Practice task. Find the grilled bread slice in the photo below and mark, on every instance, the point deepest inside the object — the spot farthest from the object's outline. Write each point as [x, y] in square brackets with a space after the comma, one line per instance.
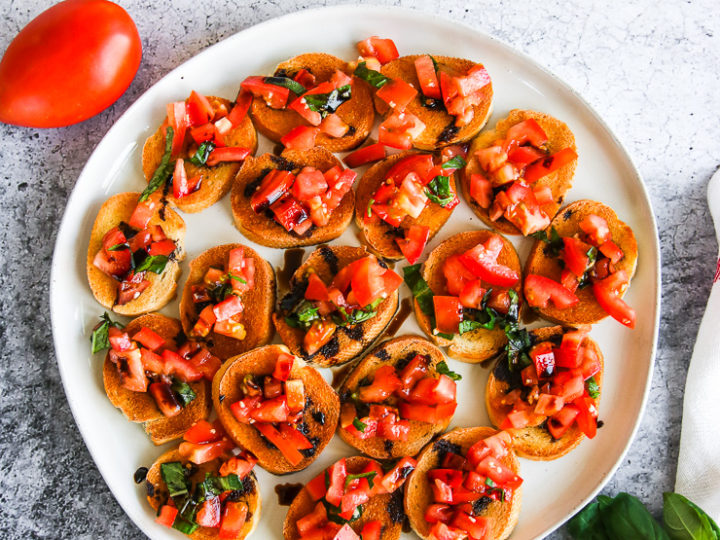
[567, 223]
[535, 442]
[258, 302]
[157, 493]
[262, 228]
[140, 406]
[162, 287]
[357, 112]
[480, 344]
[560, 181]
[378, 235]
[216, 181]
[320, 416]
[386, 508]
[396, 351]
[347, 342]
[440, 129]
[419, 495]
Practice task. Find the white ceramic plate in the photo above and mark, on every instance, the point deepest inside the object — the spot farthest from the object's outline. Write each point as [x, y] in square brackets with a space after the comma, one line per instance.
[553, 491]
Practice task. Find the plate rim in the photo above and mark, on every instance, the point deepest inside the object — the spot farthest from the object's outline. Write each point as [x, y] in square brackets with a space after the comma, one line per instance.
[654, 246]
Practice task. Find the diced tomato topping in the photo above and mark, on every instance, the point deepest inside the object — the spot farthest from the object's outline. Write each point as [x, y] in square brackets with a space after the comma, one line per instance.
[382, 49]
[396, 476]
[275, 96]
[165, 399]
[481, 190]
[314, 519]
[527, 131]
[283, 366]
[167, 515]
[316, 289]
[611, 302]
[385, 382]
[143, 213]
[559, 423]
[275, 184]
[543, 194]
[181, 368]
[427, 77]
[234, 516]
[367, 154]
[430, 414]
[498, 473]
[271, 410]
[569, 385]
[334, 126]
[413, 244]
[596, 228]
[295, 394]
[300, 138]
[549, 405]
[371, 530]
[448, 314]
[203, 133]
[543, 358]
[240, 109]
[575, 255]
[305, 78]
[316, 487]
[228, 308]
[202, 453]
[208, 515]
[286, 446]
[202, 432]
[228, 153]
[119, 340]
[319, 333]
[435, 513]
[539, 169]
[587, 415]
[482, 261]
[611, 251]
[294, 436]
[399, 129]
[431, 391]
[472, 294]
[199, 109]
[524, 155]
[540, 290]
[178, 119]
[336, 486]
[397, 93]
[243, 408]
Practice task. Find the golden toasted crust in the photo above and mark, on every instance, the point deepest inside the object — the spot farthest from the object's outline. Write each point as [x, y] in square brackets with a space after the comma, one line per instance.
[261, 361]
[351, 343]
[420, 432]
[140, 406]
[258, 302]
[160, 494]
[479, 344]
[376, 509]
[560, 181]
[216, 181]
[357, 112]
[535, 442]
[379, 235]
[265, 230]
[418, 494]
[162, 286]
[567, 223]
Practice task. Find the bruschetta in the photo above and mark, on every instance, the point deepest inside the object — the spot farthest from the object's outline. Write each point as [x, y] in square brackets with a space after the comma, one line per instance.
[134, 253]
[228, 300]
[518, 173]
[202, 151]
[202, 489]
[154, 381]
[430, 101]
[466, 485]
[312, 100]
[546, 391]
[404, 200]
[276, 407]
[352, 499]
[580, 267]
[301, 198]
[340, 300]
[397, 398]
[468, 290]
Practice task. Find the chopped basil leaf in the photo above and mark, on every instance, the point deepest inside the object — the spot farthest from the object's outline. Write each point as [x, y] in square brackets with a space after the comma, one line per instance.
[420, 289]
[468, 325]
[220, 292]
[201, 155]
[457, 162]
[333, 513]
[286, 82]
[174, 475]
[237, 278]
[438, 191]
[230, 482]
[375, 78]
[357, 316]
[369, 475]
[369, 207]
[517, 347]
[443, 369]
[164, 170]
[328, 103]
[489, 482]
[360, 426]
[152, 263]
[593, 389]
[118, 247]
[553, 241]
[443, 335]
[99, 338]
[183, 392]
[303, 315]
[184, 526]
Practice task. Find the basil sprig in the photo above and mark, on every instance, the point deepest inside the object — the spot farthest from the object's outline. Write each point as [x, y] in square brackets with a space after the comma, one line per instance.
[438, 191]
[375, 78]
[456, 162]
[443, 369]
[286, 82]
[164, 170]
[370, 475]
[183, 391]
[303, 315]
[175, 477]
[592, 387]
[553, 241]
[99, 339]
[151, 263]
[328, 103]
[202, 153]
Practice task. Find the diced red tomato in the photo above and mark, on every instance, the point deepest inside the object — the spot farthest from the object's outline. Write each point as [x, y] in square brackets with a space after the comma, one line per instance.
[611, 251]
[202, 453]
[199, 109]
[233, 520]
[451, 477]
[242, 270]
[317, 517]
[539, 169]
[165, 399]
[472, 294]
[430, 391]
[338, 189]
[448, 314]
[527, 131]
[176, 365]
[143, 213]
[371, 530]
[569, 385]
[559, 423]
[524, 155]
[427, 77]
[543, 194]
[309, 183]
[543, 358]
[476, 526]
[305, 78]
[294, 436]
[243, 408]
[611, 302]
[228, 153]
[385, 382]
[366, 154]
[396, 476]
[202, 432]
[399, 129]
[301, 107]
[414, 242]
[240, 109]
[271, 410]
[275, 184]
[587, 415]
[496, 445]
[316, 487]
[286, 447]
[397, 93]
[228, 308]
[336, 474]
[590, 363]
[167, 515]
[382, 49]
[549, 405]
[426, 413]
[119, 340]
[540, 290]
[420, 164]
[164, 247]
[482, 262]
[208, 515]
[316, 289]
[481, 190]
[457, 275]
[300, 138]
[290, 214]
[442, 493]
[596, 228]
[334, 126]
[435, 513]
[275, 96]
[498, 473]
[178, 119]
[241, 465]
[201, 134]
[575, 255]
[569, 280]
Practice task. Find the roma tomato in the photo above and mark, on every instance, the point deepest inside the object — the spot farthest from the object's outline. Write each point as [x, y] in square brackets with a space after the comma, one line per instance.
[68, 64]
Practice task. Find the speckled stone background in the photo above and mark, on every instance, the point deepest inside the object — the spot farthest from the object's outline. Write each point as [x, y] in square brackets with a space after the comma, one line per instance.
[650, 69]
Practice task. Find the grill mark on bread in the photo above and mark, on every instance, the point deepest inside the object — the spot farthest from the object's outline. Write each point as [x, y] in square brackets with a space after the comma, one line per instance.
[330, 258]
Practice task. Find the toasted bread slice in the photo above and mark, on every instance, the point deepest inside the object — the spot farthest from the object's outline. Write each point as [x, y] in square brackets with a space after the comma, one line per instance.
[535, 442]
[440, 129]
[348, 342]
[386, 508]
[560, 181]
[380, 236]
[357, 112]
[320, 416]
[258, 302]
[392, 352]
[419, 495]
[479, 344]
[140, 406]
[216, 181]
[567, 223]
[262, 228]
[162, 286]
[157, 493]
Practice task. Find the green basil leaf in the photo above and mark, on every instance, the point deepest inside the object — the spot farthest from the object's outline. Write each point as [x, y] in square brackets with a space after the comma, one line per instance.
[183, 392]
[99, 339]
[553, 241]
[184, 526]
[237, 278]
[164, 170]
[286, 82]
[118, 247]
[369, 475]
[375, 78]
[231, 482]
[201, 155]
[152, 263]
[456, 162]
[174, 475]
[359, 425]
[684, 521]
[626, 517]
[438, 191]
[420, 289]
[592, 387]
[369, 207]
[714, 526]
[333, 513]
[587, 524]
[328, 103]
[443, 369]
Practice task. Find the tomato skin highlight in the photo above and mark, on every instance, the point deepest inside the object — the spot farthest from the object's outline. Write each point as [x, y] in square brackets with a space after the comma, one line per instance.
[68, 64]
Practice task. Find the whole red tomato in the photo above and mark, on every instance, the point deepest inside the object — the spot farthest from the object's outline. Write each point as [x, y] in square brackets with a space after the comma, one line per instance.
[68, 64]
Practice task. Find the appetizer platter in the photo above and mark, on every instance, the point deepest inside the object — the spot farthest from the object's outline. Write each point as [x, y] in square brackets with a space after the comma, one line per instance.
[323, 285]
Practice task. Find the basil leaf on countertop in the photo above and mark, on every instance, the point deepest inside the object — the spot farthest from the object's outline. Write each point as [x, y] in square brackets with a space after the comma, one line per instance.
[684, 520]
[624, 516]
[587, 524]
